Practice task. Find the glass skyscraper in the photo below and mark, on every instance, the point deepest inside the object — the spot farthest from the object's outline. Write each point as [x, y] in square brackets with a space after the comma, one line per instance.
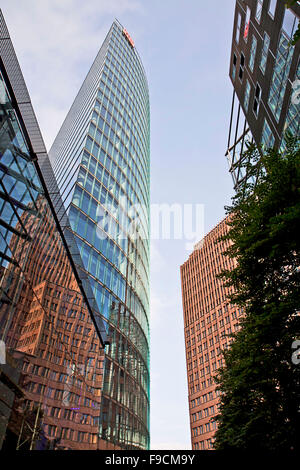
[100, 159]
[51, 351]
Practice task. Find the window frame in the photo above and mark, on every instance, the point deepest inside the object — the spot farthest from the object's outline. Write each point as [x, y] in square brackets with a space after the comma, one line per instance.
[272, 15]
[261, 3]
[253, 50]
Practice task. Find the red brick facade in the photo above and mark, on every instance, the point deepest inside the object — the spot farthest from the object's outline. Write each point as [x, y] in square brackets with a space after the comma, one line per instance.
[208, 316]
[52, 337]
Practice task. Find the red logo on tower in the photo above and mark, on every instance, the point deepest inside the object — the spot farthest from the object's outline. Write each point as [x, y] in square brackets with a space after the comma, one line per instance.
[128, 37]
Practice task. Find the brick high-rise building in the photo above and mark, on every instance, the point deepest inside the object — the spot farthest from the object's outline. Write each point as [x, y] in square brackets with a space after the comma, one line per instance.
[208, 318]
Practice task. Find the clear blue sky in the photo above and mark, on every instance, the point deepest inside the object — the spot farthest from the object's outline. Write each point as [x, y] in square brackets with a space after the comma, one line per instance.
[185, 48]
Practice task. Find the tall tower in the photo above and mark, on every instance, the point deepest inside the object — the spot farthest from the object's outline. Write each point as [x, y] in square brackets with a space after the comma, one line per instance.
[51, 350]
[100, 159]
[265, 74]
[208, 319]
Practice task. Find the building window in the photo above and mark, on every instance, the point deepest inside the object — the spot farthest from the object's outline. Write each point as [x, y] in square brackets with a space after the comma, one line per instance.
[64, 433]
[247, 24]
[242, 63]
[256, 102]
[51, 430]
[259, 6]
[280, 75]
[209, 444]
[214, 425]
[238, 28]
[290, 23]
[252, 53]
[264, 53]
[267, 137]
[234, 67]
[292, 121]
[272, 8]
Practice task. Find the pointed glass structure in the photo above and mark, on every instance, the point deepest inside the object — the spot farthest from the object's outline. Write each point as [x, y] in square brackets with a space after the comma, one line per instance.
[100, 159]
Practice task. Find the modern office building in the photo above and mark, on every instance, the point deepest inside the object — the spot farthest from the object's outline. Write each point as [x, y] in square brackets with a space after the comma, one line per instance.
[51, 371]
[208, 319]
[100, 159]
[68, 292]
[52, 356]
[265, 74]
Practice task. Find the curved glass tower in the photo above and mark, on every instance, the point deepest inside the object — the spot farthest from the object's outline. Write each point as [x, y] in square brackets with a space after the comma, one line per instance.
[101, 162]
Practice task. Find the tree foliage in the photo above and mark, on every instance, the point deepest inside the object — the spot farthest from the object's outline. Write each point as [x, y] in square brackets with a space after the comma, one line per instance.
[259, 383]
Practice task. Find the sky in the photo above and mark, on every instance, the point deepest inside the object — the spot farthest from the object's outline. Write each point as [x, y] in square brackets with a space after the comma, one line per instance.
[185, 48]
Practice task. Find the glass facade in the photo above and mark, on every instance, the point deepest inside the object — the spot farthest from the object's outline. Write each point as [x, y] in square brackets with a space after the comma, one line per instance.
[259, 7]
[267, 138]
[292, 121]
[264, 53]
[282, 64]
[19, 182]
[101, 160]
[238, 145]
[247, 95]
[268, 101]
[252, 52]
[51, 377]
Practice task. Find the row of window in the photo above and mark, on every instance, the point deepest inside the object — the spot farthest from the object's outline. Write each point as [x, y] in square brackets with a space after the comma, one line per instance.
[281, 68]
[132, 79]
[96, 147]
[113, 193]
[131, 66]
[130, 61]
[259, 6]
[203, 399]
[109, 197]
[117, 84]
[194, 329]
[204, 428]
[202, 413]
[117, 142]
[123, 115]
[202, 445]
[70, 434]
[118, 146]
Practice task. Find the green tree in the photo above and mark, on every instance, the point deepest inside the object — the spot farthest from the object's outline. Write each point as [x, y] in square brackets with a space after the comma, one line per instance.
[259, 383]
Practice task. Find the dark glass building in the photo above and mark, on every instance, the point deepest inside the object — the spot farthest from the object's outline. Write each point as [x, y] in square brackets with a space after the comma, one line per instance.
[265, 73]
[100, 159]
